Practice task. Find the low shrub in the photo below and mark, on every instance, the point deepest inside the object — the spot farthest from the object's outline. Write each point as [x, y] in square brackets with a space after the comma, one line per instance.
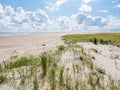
[61, 47]
[43, 45]
[2, 79]
[96, 51]
[102, 71]
[44, 63]
[101, 41]
[95, 41]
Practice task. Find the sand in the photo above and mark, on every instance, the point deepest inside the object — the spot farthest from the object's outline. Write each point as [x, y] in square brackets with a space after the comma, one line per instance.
[108, 58]
[28, 44]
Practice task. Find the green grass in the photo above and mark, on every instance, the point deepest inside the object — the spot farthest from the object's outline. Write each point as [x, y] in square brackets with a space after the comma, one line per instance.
[95, 50]
[61, 80]
[47, 70]
[35, 83]
[52, 79]
[2, 79]
[100, 70]
[61, 47]
[107, 37]
[23, 61]
[44, 63]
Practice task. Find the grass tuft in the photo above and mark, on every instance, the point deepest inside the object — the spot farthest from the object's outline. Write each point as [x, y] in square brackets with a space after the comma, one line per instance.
[2, 79]
[61, 47]
[102, 71]
[44, 62]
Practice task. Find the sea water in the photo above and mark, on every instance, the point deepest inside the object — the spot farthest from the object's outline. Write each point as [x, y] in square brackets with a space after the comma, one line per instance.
[18, 33]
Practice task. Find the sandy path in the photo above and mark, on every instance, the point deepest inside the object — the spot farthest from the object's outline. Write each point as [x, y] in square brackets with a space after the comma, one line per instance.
[29, 44]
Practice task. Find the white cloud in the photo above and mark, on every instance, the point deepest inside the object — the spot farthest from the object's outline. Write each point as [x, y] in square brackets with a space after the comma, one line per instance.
[1, 8]
[22, 21]
[117, 6]
[113, 23]
[113, 1]
[11, 19]
[85, 8]
[9, 10]
[87, 1]
[89, 20]
[60, 2]
[56, 6]
[63, 21]
[103, 11]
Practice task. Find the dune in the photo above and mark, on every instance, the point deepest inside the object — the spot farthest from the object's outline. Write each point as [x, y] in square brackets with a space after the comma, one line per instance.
[106, 57]
[76, 66]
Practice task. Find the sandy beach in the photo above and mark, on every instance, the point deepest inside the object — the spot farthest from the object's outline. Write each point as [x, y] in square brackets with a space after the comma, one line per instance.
[83, 61]
[28, 44]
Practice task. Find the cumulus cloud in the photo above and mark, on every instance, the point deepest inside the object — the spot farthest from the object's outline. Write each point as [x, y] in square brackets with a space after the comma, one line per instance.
[103, 11]
[23, 21]
[87, 1]
[113, 23]
[63, 21]
[9, 18]
[85, 8]
[113, 1]
[117, 6]
[80, 22]
[55, 6]
[89, 20]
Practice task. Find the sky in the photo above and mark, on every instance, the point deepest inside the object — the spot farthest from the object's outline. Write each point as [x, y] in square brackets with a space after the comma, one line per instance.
[83, 16]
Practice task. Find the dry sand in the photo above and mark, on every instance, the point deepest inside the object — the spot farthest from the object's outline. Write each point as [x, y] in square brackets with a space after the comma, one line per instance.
[29, 44]
[108, 58]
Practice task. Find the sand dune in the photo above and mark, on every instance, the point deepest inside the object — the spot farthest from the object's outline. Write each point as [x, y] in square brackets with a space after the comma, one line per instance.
[107, 57]
[80, 61]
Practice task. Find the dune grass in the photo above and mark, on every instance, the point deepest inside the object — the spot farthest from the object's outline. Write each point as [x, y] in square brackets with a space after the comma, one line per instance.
[95, 38]
[61, 47]
[2, 79]
[19, 62]
[44, 63]
[48, 71]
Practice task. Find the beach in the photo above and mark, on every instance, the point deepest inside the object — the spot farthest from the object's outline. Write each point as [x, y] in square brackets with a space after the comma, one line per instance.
[28, 44]
[41, 59]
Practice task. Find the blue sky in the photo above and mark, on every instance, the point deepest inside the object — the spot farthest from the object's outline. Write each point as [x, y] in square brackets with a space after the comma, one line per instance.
[58, 15]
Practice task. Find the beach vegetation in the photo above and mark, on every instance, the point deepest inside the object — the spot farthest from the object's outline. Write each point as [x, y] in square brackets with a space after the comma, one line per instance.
[61, 47]
[2, 79]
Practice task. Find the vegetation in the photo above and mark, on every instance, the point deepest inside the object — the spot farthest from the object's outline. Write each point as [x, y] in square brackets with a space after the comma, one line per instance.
[61, 47]
[110, 38]
[96, 51]
[102, 71]
[44, 63]
[43, 44]
[51, 71]
[35, 83]
[19, 62]
[2, 79]
[52, 79]
[61, 76]
[95, 41]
